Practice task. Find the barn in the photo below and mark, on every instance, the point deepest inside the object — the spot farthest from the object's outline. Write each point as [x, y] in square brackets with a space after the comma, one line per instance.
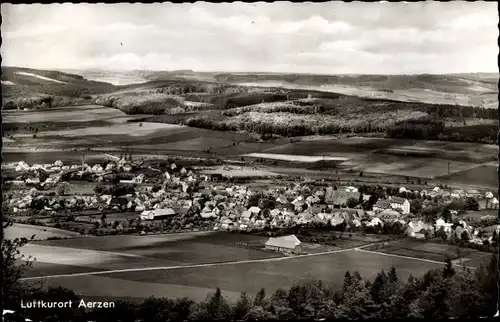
[286, 244]
[157, 214]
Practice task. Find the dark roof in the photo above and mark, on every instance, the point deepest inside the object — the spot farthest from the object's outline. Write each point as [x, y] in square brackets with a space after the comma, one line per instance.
[352, 211]
[383, 204]
[181, 210]
[398, 200]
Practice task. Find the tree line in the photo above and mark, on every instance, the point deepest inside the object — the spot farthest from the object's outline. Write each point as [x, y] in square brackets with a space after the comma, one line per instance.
[431, 129]
[448, 292]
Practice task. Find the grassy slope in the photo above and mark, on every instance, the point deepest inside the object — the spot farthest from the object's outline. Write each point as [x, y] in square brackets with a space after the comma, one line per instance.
[60, 89]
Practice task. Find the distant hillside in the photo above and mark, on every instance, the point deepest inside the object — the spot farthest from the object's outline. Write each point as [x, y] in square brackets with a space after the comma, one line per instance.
[443, 83]
[71, 86]
[478, 89]
[17, 80]
[35, 88]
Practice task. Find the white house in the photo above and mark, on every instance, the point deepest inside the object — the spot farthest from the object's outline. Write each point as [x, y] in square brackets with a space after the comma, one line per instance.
[457, 194]
[394, 203]
[282, 199]
[441, 223]
[400, 203]
[351, 189]
[493, 203]
[473, 194]
[254, 210]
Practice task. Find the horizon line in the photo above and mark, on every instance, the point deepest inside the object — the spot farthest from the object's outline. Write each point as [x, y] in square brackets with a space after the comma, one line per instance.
[249, 72]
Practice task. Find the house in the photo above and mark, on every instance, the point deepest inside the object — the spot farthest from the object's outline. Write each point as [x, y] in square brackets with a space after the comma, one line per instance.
[400, 203]
[353, 213]
[246, 215]
[157, 214]
[216, 177]
[457, 194]
[390, 215]
[312, 200]
[445, 194]
[381, 205]
[492, 204]
[394, 203]
[375, 222]
[441, 223]
[287, 244]
[254, 210]
[206, 215]
[338, 198]
[473, 194]
[282, 199]
[351, 189]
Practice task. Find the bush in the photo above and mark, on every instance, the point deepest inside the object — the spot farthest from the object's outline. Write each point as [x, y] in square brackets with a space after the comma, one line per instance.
[122, 190]
[99, 189]
[142, 103]
[471, 204]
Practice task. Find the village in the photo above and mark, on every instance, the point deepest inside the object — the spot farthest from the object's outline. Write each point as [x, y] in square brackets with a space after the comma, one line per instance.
[131, 197]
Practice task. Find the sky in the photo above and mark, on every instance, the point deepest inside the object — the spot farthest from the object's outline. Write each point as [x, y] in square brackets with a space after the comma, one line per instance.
[319, 38]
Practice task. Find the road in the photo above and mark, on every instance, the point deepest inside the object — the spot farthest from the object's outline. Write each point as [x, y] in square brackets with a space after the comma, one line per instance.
[157, 268]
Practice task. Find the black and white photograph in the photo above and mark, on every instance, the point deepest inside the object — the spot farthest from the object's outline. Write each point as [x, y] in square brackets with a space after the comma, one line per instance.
[250, 161]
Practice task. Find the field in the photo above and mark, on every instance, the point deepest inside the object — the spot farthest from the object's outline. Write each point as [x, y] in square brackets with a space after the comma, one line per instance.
[243, 172]
[294, 158]
[433, 251]
[383, 156]
[86, 113]
[194, 264]
[197, 282]
[476, 215]
[40, 232]
[184, 248]
[483, 174]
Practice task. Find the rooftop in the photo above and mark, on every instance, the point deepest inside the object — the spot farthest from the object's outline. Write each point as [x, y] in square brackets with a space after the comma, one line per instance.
[289, 242]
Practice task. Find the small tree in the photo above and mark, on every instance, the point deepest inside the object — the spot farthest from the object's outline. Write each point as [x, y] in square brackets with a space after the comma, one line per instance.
[242, 307]
[260, 298]
[448, 270]
[465, 236]
[12, 268]
[471, 204]
[217, 307]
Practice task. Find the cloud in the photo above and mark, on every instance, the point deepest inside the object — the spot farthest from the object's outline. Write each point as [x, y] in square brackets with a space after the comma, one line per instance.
[331, 37]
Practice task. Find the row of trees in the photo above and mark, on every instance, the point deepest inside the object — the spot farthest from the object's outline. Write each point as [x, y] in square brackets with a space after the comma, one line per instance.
[431, 129]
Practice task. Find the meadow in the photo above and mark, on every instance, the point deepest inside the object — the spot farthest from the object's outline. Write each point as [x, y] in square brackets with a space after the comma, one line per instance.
[40, 232]
[198, 282]
[482, 174]
[434, 252]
